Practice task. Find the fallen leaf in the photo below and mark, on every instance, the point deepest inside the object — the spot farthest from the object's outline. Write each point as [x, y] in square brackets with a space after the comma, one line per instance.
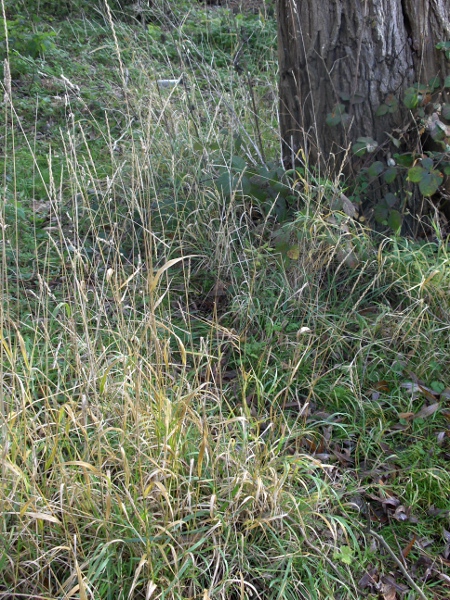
[407, 416]
[441, 436]
[435, 512]
[390, 501]
[388, 591]
[407, 549]
[390, 582]
[381, 386]
[427, 411]
[400, 513]
[343, 457]
[369, 579]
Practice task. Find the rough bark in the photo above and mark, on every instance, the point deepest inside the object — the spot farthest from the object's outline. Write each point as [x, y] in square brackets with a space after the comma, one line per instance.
[353, 53]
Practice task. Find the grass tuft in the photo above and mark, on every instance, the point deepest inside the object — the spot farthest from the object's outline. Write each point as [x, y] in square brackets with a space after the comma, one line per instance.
[199, 398]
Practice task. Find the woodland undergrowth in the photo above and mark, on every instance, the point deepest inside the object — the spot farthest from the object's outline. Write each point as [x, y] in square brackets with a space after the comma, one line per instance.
[213, 384]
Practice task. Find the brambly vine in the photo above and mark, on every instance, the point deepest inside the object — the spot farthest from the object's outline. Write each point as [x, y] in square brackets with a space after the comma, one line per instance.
[419, 171]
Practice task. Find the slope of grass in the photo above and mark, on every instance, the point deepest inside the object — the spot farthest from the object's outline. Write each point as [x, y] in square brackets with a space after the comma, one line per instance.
[197, 400]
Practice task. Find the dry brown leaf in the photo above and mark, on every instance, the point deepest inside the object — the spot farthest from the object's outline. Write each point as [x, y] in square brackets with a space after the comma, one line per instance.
[399, 427]
[390, 501]
[427, 411]
[407, 416]
[441, 436]
[400, 513]
[344, 457]
[407, 549]
[369, 579]
[381, 386]
[391, 581]
[388, 591]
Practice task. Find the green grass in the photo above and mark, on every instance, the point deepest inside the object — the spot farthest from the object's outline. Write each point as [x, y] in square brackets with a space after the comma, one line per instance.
[199, 401]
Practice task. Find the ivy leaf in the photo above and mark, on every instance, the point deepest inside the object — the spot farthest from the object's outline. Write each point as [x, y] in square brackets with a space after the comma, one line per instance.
[390, 175]
[382, 110]
[434, 83]
[392, 103]
[415, 174]
[430, 182]
[363, 145]
[357, 98]
[404, 160]
[447, 82]
[376, 168]
[395, 220]
[445, 47]
[390, 106]
[446, 110]
[381, 213]
[411, 99]
[336, 116]
[391, 199]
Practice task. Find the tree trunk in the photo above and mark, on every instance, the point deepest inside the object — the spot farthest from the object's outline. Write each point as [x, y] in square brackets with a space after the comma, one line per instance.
[340, 61]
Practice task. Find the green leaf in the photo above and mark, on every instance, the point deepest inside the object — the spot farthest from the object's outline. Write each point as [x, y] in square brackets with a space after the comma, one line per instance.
[415, 174]
[437, 386]
[427, 163]
[443, 46]
[391, 199]
[390, 106]
[246, 185]
[154, 30]
[446, 169]
[345, 555]
[375, 168]
[381, 213]
[404, 160]
[395, 220]
[430, 182]
[357, 98]
[336, 116]
[258, 193]
[446, 110]
[363, 145]
[411, 99]
[392, 103]
[447, 82]
[390, 175]
[238, 163]
[382, 110]
[359, 149]
[394, 140]
[227, 183]
[434, 82]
